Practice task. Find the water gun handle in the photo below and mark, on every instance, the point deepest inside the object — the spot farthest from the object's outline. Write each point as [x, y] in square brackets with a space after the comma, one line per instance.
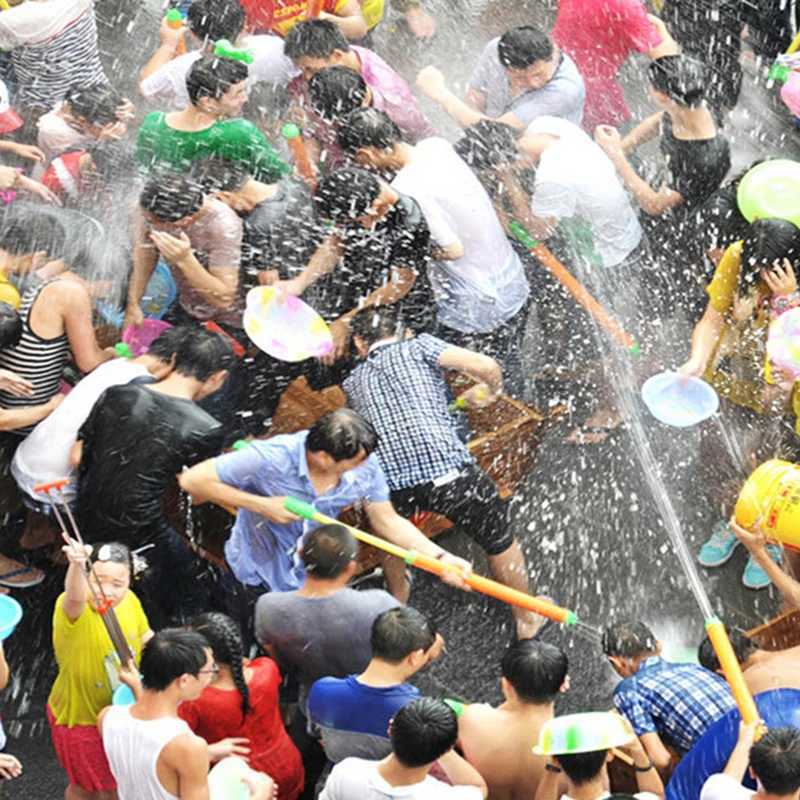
[305, 168]
[175, 21]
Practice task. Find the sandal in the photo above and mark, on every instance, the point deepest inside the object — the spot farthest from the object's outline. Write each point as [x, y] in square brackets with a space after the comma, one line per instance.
[15, 579]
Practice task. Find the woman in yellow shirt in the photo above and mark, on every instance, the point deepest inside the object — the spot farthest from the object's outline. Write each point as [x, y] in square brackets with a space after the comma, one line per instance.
[89, 668]
[753, 277]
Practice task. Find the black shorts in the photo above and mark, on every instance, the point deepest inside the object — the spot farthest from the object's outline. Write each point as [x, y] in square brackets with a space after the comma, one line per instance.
[470, 501]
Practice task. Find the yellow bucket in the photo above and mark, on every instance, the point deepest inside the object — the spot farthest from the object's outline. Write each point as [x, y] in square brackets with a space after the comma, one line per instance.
[771, 495]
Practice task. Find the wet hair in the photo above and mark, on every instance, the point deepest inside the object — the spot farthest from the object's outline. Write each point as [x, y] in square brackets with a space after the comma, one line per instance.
[113, 552]
[374, 323]
[212, 20]
[267, 103]
[170, 653]
[536, 670]
[10, 326]
[775, 759]
[336, 91]
[765, 242]
[171, 197]
[518, 48]
[399, 632]
[167, 343]
[346, 194]
[581, 768]
[225, 638]
[211, 76]
[488, 144]
[97, 104]
[314, 38]
[21, 236]
[113, 160]
[628, 640]
[216, 174]
[328, 551]
[368, 127]
[202, 354]
[342, 434]
[422, 731]
[681, 78]
[743, 648]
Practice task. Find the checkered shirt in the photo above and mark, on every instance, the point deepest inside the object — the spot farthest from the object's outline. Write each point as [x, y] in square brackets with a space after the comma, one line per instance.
[677, 701]
[400, 388]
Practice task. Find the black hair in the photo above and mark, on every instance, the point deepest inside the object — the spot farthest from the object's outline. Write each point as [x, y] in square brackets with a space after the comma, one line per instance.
[743, 648]
[536, 670]
[113, 160]
[336, 91]
[170, 196]
[328, 551]
[346, 194]
[368, 127]
[488, 144]
[211, 76]
[765, 242]
[212, 20]
[374, 323]
[342, 434]
[314, 38]
[719, 221]
[168, 342]
[681, 78]
[97, 104]
[775, 759]
[217, 174]
[399, 632]
[581, 768]
[10, 326]
[518, 48]
[202, 354]
[225, 639]
[22, 236]
[628, 640]
[422, 731]
[170, 653]
[115, 552]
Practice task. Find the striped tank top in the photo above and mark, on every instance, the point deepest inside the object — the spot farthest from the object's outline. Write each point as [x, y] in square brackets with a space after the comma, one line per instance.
[39, 360]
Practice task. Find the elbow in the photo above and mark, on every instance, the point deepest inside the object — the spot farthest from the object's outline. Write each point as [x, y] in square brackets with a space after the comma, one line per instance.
[188, 482]
[662, 761]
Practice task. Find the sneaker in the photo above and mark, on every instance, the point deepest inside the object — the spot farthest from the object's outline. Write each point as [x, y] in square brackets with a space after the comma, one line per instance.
[719, 548]
[754, 576]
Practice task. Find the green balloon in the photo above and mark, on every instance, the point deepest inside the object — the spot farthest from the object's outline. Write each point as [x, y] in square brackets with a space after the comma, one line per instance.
[771, 191]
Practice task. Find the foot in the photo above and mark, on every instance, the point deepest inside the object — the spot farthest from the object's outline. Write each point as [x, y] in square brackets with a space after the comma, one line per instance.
[719, 548]
[16, 575]
[754, 576]
[597, 428]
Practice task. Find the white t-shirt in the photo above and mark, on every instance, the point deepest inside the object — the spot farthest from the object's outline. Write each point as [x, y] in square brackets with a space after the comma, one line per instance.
[44, 455]
[167, 86]
[487, 285]
[358, 779]
[722, 787]
[575, 178]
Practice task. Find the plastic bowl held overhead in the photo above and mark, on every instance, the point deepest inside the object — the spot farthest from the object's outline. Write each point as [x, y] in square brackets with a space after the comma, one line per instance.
[10, 615]
[583, 733]
[679, 400]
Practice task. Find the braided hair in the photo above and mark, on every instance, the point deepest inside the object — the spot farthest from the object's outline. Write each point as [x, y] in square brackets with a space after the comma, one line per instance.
[225, 639]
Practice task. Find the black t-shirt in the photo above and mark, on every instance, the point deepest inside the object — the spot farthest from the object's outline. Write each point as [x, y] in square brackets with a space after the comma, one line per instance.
[135, 441]
[401, 239]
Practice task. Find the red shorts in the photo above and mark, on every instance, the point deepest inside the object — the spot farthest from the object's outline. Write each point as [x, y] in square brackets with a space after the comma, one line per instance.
[79, 750]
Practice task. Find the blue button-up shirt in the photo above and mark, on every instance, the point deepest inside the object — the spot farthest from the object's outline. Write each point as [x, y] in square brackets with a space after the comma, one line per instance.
[677, 701]
[262, 552]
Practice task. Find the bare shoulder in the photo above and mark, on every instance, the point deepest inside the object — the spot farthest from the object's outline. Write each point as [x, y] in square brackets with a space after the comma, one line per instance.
[185, 750]
[477, 715]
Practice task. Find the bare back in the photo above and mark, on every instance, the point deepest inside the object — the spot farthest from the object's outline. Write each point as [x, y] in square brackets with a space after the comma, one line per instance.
[499, 744]
[775, 670]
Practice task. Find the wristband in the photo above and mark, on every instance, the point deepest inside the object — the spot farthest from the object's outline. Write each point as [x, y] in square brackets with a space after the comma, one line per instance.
[649, 766]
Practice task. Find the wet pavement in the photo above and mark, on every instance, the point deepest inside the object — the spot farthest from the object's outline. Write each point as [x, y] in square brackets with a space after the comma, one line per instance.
[585, 516]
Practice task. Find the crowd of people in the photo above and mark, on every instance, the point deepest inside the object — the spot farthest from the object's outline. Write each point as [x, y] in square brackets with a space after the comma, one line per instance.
[168, 208]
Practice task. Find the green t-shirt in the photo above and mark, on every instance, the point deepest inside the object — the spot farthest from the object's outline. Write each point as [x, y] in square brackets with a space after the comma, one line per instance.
[158, 145]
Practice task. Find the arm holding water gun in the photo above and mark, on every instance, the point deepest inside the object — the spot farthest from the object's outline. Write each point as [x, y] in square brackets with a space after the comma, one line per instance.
[171, 44]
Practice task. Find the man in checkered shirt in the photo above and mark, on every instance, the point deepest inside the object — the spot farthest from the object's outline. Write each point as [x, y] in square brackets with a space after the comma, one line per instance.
[665, 702]
[401, 390]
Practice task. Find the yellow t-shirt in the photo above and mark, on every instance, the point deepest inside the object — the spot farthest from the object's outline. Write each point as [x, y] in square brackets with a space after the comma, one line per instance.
[722, 289]
[87, 661]
[372, 11]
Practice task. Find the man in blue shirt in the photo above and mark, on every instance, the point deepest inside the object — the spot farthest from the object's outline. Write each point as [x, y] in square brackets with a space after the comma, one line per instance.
[664, 702]
[353, 713]
[331, 466]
